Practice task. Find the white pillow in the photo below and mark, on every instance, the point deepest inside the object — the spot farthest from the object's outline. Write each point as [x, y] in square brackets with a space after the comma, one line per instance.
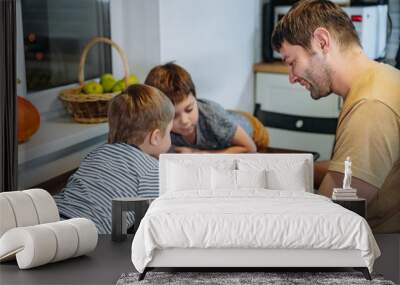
[251, 178]
[223, 179]
[292, 179]
[280, 174]
[186, 177]
[228, 179]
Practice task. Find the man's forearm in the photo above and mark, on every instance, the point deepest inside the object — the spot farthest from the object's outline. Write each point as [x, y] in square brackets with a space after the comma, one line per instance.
[320, 170]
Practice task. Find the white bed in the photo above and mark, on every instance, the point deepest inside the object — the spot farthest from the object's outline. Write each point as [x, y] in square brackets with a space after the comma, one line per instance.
[221, 211]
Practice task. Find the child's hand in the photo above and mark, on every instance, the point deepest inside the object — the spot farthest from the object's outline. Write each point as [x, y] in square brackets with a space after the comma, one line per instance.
[185, 149]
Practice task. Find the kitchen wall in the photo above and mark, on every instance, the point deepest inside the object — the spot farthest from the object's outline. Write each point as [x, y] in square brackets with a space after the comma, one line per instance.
[215, 41]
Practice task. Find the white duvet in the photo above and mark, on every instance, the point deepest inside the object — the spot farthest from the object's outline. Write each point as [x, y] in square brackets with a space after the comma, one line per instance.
[252, 218]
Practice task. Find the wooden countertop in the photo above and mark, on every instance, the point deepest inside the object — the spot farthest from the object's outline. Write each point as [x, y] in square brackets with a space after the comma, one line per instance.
[272, 67]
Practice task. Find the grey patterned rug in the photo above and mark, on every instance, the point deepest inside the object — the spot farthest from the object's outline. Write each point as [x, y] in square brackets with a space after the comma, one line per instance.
[243, 278]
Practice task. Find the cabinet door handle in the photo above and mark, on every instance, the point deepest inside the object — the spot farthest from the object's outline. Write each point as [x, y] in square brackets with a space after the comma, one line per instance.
[299, 124]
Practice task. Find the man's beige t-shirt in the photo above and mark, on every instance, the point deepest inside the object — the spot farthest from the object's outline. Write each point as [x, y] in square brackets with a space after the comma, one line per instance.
[369, 132]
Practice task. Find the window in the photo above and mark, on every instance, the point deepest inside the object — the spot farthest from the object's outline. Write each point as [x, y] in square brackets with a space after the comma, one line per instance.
[54, 35]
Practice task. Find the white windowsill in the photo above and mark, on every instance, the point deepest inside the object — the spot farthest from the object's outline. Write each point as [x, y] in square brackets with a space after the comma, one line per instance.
[56, 134]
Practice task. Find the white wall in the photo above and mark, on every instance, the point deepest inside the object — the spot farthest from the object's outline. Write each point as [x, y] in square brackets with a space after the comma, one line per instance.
[137, 28]
[214, 40]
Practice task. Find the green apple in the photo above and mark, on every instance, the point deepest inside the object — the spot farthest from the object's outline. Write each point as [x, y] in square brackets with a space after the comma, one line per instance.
[108, 84]
[106, 77]
[107, 80]
[132, 79]
[119, 86]
[93, 87]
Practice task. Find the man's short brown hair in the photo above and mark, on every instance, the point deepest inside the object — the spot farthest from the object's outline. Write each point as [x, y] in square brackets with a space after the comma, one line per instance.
[136, 112]
[298, 25]
[173, 80]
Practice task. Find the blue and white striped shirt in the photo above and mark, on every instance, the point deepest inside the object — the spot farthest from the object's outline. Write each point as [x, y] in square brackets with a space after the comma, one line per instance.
[110, 171]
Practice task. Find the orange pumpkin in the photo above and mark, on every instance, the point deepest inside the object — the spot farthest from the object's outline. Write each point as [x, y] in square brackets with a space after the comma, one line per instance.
[28, 119]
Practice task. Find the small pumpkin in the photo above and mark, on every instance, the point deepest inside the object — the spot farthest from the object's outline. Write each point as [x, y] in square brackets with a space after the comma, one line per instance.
[28, 119]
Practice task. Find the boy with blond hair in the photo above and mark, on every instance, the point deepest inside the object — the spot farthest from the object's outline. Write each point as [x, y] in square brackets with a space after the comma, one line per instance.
[140, 121]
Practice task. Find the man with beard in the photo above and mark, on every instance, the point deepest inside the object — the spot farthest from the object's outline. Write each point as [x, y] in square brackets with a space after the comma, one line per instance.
[318, 42]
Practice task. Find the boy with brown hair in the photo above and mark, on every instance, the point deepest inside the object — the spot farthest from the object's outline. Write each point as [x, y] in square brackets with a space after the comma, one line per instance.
[202, 125]
[140, 121]
[318, 42]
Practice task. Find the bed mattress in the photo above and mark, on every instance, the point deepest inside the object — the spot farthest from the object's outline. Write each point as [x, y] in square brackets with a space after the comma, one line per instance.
[250, 219]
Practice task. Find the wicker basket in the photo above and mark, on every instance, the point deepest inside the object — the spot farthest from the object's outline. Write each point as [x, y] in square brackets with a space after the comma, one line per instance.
[91, 108]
